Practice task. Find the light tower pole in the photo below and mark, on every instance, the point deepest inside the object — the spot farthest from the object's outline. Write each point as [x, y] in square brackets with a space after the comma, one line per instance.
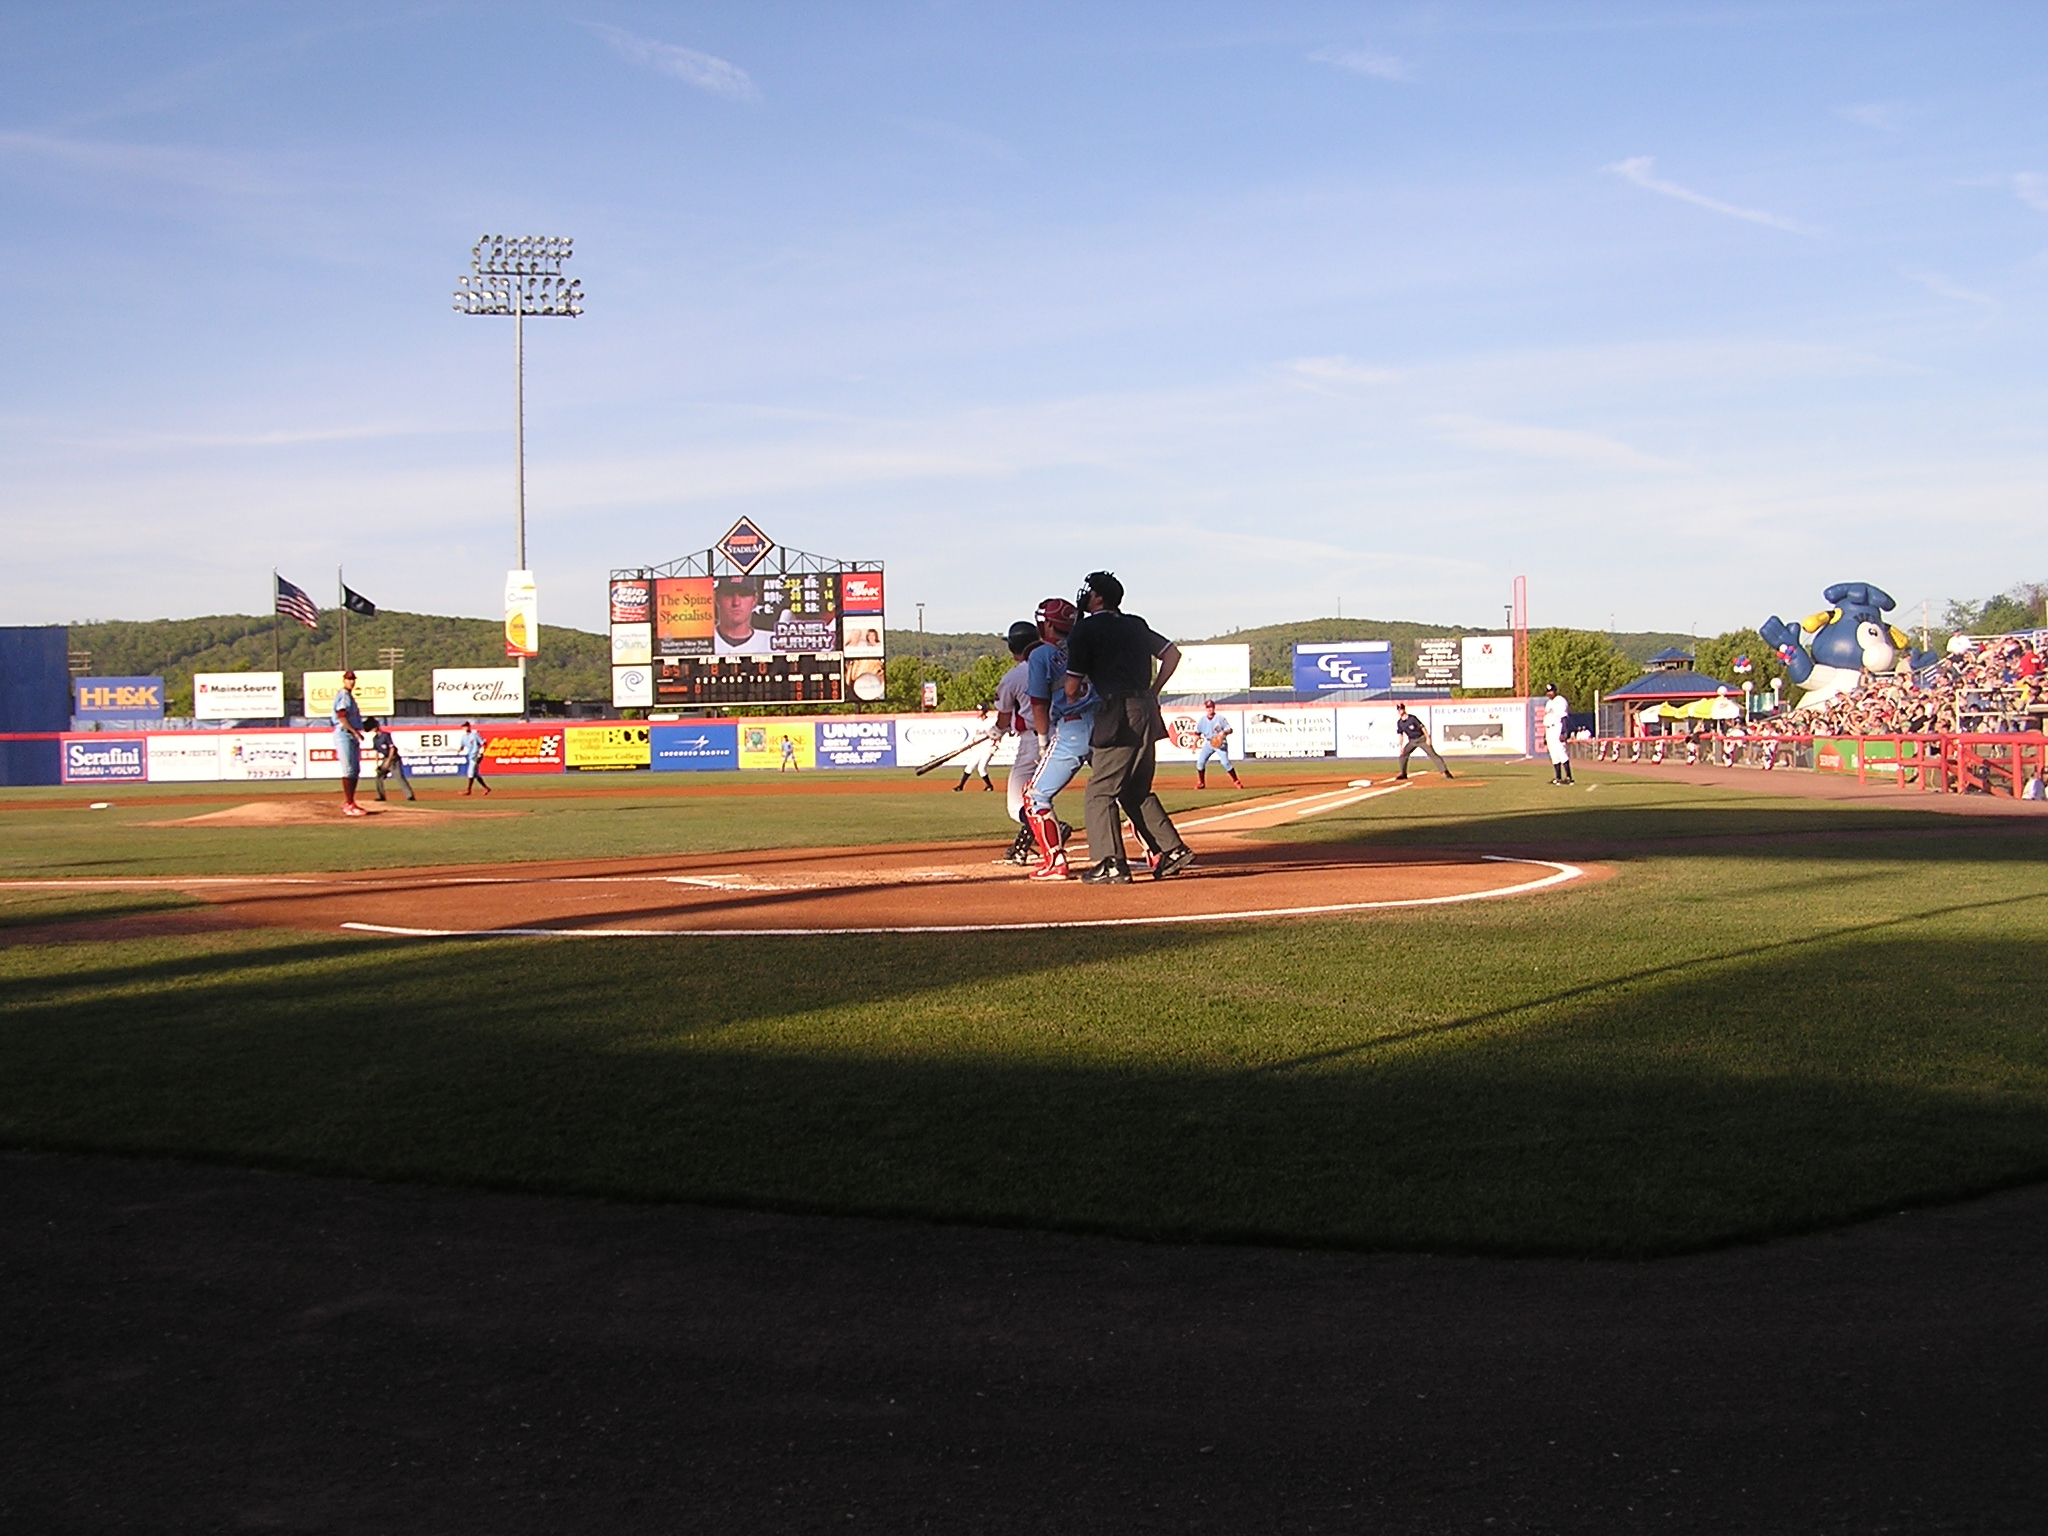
[519, 275]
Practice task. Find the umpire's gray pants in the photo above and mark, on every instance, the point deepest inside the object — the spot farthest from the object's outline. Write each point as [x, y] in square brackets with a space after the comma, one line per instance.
[1408, 749]
[1120, 774]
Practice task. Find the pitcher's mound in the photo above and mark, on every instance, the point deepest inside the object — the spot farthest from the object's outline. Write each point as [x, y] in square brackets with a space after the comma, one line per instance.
[304, 813]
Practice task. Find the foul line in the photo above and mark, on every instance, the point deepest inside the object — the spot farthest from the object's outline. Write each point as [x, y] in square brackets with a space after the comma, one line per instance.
[1560, 874]
[1339, 798]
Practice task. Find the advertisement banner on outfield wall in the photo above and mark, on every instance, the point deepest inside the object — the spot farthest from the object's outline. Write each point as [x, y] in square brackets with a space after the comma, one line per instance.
[633, 687]
[1181, 739]
[184, 757]
[778, 744]
[430, 752]
[372, 693]
[864, 634]
[1488, 661]
[1344, 665]
[606, 747]
[861, 591]
[1367, 730]
[682, 616]
[117, 698]
[517, 751]
[1440, 662]
[920, 738]
[700, 747]
[1207, 670]
[632, 645]
[107, 760]
[1490, 726]
[522, 614]
[856, 743]
[262, 755]
[238, 695]
[323, 758]
[1290, 733]
[632, 602]
[464, 691]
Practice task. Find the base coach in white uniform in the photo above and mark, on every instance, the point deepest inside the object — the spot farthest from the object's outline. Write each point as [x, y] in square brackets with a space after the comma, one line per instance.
[1114, 651]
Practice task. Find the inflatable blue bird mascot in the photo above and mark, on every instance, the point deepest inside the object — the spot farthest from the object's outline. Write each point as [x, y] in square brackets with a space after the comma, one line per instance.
[1827, 653]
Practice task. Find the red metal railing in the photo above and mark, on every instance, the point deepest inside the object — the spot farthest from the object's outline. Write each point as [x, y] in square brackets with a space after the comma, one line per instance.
[1947, 763]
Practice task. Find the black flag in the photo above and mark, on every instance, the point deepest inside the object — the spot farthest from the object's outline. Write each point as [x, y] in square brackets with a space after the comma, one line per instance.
[355, 602]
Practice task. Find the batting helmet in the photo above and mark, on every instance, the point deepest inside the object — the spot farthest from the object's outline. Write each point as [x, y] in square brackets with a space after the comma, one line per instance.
[1058, 615]
[1023, 635]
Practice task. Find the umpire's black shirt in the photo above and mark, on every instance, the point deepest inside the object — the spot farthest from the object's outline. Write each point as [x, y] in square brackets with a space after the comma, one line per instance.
[1114, 651]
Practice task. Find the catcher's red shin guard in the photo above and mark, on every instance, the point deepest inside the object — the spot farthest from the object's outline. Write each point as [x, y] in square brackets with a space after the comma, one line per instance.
[1045, 833]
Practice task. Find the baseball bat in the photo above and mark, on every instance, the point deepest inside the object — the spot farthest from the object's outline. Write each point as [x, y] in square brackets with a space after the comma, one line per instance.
[946, 757]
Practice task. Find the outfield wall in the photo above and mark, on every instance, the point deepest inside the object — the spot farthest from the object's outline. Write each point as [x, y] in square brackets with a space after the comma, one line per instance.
[1467, 729]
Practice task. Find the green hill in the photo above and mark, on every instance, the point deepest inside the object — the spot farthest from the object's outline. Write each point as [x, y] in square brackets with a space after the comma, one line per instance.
[572, 664]
[1273, 645]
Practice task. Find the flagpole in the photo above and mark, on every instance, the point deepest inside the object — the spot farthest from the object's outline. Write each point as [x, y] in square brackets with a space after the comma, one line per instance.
[341, 595]
[275, 665]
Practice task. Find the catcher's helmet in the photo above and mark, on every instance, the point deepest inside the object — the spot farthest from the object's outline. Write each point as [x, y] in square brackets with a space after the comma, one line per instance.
[1023, 635]
[1057, 615]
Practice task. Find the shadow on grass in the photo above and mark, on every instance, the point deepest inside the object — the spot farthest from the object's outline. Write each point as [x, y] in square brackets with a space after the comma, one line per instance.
[1766, 1090]
[1766, 830]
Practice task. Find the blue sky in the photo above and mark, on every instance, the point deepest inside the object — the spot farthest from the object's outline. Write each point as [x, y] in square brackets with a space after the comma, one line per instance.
[1683, 311]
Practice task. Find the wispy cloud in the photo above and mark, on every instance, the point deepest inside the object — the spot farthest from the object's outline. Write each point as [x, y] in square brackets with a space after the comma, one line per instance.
[703, 70]
[1546, 443]
[1882, 116]
[1936, 284]
[970, 139]
[1637, 170]
[2031, 189]
[1340, 370]
[1360, 61]
[198, 169]
[282, 437]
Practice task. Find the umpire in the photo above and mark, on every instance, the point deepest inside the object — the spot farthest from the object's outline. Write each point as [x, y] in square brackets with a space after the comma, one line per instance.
[1114, 651]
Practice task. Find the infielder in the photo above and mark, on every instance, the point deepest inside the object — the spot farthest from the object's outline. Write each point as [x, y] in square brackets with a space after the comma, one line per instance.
[1414, 734]
[1062, 720]
[1556, 710]
[1212, 731]
[977, 759]
[1013, 718]
[472, 748]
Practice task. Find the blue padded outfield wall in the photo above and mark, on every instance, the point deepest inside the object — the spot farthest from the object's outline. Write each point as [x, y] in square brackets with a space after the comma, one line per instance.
[35, 695]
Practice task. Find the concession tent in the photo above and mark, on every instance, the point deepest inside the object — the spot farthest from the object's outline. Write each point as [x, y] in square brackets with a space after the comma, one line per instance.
[1670, 690]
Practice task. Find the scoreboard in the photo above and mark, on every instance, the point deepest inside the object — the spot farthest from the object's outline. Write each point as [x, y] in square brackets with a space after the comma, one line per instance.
[807, 636]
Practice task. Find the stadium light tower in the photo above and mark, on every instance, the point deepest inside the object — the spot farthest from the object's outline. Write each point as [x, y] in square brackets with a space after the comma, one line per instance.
[519, 275]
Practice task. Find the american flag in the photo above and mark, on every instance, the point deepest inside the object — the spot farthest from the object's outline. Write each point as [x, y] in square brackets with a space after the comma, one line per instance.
[293, 603]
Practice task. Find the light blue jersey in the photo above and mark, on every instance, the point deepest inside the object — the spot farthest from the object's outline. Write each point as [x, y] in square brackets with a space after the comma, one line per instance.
[1047, 679]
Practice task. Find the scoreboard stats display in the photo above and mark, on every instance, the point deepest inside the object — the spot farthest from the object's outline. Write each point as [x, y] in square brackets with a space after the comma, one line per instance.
[790, 637]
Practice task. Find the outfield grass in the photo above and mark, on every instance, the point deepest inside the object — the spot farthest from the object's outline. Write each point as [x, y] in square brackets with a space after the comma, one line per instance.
[1778, 1015]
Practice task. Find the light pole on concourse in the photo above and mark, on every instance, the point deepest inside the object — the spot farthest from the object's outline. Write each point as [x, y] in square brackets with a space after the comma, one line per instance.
[519, 275]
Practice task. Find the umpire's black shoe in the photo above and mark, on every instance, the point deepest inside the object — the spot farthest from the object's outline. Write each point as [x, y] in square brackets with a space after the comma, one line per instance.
[1173, 863]
[1108, 872]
